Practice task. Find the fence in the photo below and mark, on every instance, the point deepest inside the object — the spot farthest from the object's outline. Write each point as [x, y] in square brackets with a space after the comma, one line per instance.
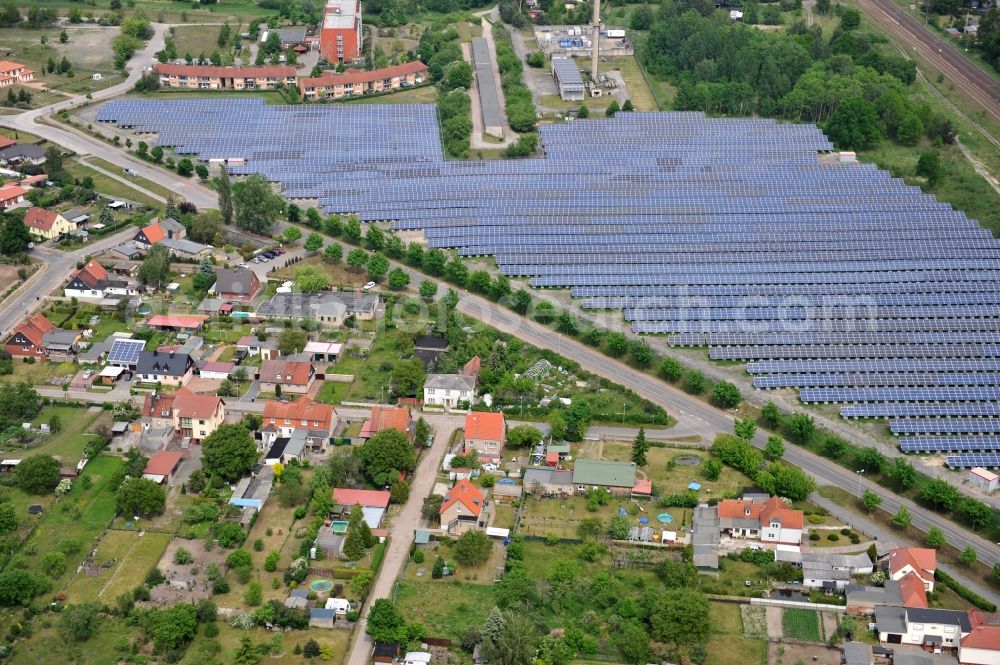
[240, 238]
[795, 604]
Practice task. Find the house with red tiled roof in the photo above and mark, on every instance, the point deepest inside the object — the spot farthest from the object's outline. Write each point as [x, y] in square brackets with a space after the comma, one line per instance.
[770, 521]
[158, 410]
[373, 504]
[11, 195]
[177, 322]
[921, 561]
[92, 282]
[386, 417]
[485, 432]
[162, 466]
[197, 416]
[355, 82]
[149, 235]
[47, 224]
[6, 142]
[462, 509]
[912, 591]
[37, 180]
[982, 645]
[281, 419]
[294, 376]
[472, 368]
[27, 339]
[210, 77]
[14, 72]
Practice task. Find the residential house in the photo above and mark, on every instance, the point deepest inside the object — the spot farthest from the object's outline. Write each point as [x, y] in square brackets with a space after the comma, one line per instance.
[14, 72]
[47, 224]
[387, 417]
[6, 142]
[331, 308]
[485, 433]
[354, 82]
[287, 448]
[22, 153]
[186, 249]
[907, 592]
[170, 226]
[548, 482]
[149, 235]
[429, 348]
[771, 521]
[982, 645]
[373, 504]
[826, 570]
[931, 629]
[290, 37]
[162, 466]
[197, 416]
[462, 508]
[266, 349]
[128, 250]
[158, 410]
[316, 420]
[294, 376]
[61, 344]
[165, 367]
[27, 339]
[92, 283]
[177, 322]
[616, 477]
[449, 390]
[251, 493]
[472, 368]
[11, 195]
[214, 369]
[238, 285]
[78, 216]
[210, 77]
[984, 479]
[921, 561]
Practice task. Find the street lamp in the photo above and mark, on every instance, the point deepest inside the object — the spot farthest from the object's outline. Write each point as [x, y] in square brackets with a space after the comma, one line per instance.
[860, 473]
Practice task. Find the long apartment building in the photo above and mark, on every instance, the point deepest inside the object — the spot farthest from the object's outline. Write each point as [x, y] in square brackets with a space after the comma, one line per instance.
[354, 82]
[341, 39]
[209, 77]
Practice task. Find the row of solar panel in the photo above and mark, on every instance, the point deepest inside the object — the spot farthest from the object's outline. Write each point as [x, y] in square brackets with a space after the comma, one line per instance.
[849, 351]
[948, 444]
[973, 460]
[902, 380]
[840, 395]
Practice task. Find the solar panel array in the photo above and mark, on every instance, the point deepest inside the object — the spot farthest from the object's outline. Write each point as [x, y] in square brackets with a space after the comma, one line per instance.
[727, 233]
[970, 460]
[126, 351]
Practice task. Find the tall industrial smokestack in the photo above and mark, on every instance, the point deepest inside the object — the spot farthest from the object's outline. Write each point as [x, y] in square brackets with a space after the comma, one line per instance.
[595, 40]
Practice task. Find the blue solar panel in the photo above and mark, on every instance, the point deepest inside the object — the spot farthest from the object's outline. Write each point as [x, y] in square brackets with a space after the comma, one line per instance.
[949, 444]
[126, 351]
[970, 460]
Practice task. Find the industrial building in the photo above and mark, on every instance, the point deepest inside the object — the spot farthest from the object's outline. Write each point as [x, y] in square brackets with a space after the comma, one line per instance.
[568, 79]
[486, 82]
[341, 38]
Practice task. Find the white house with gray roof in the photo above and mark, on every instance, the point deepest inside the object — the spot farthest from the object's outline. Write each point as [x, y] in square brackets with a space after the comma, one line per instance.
[448, 390]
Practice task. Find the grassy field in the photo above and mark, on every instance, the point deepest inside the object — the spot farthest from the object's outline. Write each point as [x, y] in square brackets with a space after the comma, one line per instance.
[483, 574]
[223, 648]
[109, 186]
[638, 91]
[88, 51]
[726, 643]
[799, 624]
[68, 443]
[135, 555]
[671, 477]
[39, 373]
[446, 609]
[426, 94]
[46, 645]
[197, 40]
[138, 180]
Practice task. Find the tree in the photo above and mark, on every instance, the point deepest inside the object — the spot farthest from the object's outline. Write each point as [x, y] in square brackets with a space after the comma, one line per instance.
[871, 500]
[428, 289]
[79, 622]
[292, 341]
[407, 377]
[14, 237]
[617, 344]
[935, 538]
[869, 459]
[902, 518]
[354, 540]
[398, 279]
[377, 267]
[713, 469]
[172, 627]
[801, 427]
[680, 616]
[641, 353]
[313, 242]
[386, 454]
[155, 268]
[974, 512]
[854, 124]
[385, 622]
[902, 473]
[334, 252]
[834, 447]
[311, 649]
[523, 436]
[694, 382]
[292, 235]
[745, 428]
[224, 187]
[255, 205]
[770, 415]
[774, 449]
[612, 109]
[142, 497]
[473, 548]
[228, 452]
[968, 556]
[310, 279]
[357, 259]
[996, 572]
[185, 167]
[38, 474]
[940, 494]
[8, 519]
[618, 527]
[19, 587]
[670, 370]
[726, 395]
[929, 166]
[54, 564]
[639, 448]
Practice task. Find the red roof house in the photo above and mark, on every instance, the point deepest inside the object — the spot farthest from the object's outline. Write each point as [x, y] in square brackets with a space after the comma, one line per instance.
[176, 321]
[343, 496]
[982, 645]
[485, 432]
[26, 340]
[11, 195]
[462, 507]
[919, 560]
[911, 588]
[162, 465]
[386, 417]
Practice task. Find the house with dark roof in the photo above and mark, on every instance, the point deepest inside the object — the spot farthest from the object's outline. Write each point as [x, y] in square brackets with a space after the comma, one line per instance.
[330, 308]
[931, 629]
[61, 344]
[22, 153]
[829, 571]
[266, 349]
[27, 339]
[294, 376]
[167, 368]
[47, 224]
[429, 348]
[92, 282]
[238, 285]
[462, 509]
[541, 481]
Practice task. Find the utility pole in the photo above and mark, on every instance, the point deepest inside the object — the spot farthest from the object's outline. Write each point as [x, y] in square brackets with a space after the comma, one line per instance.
[595, 41]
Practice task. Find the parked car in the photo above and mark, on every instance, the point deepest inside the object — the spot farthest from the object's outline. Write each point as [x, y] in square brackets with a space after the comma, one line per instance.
[369, 286]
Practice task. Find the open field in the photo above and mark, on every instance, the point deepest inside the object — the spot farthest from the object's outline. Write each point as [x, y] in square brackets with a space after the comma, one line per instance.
[88, 51]
[109, 186]
[46, 645]
[66, 444]
[197, 40]
[138, 180]
[671, 476]
[484, 574]
[726, 643]
[426, 94]
[228, 641]
[446, 608]
[38, 373]
[135, 555]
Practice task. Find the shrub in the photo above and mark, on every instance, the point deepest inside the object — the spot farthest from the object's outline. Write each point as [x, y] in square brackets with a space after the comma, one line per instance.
[814, 536]
[182, 556]
[418, 556]
[832, 537]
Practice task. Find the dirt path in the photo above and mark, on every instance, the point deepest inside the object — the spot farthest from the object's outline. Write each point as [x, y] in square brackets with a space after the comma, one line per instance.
[774, 629]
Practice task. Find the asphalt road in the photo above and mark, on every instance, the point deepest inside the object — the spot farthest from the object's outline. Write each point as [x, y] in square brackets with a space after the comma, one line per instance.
[939, 53]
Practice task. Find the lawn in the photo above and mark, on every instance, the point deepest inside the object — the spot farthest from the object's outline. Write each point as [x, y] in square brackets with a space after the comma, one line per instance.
[446, 609]
[726, 643]
[46, 645]
[40, 373]
[203, 648]
[671, 476]
[504, 515]
[135, 555]
[426, 94]
[341, 277]
[80, 516]
[68, 443]
[197, 40]
[638, 91]
[139, 180]
[483, 574]
[561, 517]
[799, 624]
[109, 186]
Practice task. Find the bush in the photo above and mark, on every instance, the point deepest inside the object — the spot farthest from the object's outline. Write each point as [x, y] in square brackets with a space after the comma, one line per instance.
[832, 537]
[964, 592]
[814, 536]
[418, 556]
[182, 556]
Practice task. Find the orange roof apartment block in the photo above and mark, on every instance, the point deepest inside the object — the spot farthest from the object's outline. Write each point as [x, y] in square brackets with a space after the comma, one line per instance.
[208, 77]
[354, 82]
[302, 413]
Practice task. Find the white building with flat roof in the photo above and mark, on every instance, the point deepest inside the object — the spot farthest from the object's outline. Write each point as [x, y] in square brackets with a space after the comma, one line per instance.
[984, 479]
